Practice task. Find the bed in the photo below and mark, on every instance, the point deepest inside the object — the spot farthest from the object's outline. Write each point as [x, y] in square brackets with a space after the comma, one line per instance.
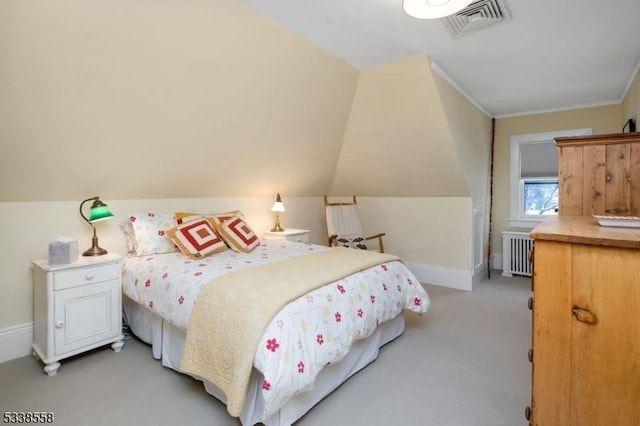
[322, 332]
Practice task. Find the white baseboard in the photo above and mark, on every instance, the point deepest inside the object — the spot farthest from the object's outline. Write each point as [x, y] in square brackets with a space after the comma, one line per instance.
[496, 261]
[15, 341]
[480, 273]
[445, 277]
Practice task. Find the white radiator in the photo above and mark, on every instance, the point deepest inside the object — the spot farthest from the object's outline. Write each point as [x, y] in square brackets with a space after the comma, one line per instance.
[515, 253]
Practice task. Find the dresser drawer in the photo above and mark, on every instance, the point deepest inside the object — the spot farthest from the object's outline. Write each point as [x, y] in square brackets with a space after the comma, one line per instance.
[85, 275]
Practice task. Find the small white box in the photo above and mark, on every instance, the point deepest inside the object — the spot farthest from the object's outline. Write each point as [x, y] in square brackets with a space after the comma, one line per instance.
[63, 252]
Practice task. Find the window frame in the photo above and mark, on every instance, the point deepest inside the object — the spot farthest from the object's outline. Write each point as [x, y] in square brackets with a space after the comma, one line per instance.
[517, 218]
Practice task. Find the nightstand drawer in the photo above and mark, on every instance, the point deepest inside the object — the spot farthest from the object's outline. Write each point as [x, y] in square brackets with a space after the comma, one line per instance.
[289, 234]
[299, 238]
[86, 275]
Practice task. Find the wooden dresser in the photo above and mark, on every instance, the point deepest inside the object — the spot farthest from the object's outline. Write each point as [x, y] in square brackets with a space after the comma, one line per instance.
[586, 290]
[586, 324]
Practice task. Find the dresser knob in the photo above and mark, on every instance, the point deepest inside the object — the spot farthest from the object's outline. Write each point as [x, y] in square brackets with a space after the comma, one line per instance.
[530, 355]
[527, 413]
[59, 324]
[530, 303]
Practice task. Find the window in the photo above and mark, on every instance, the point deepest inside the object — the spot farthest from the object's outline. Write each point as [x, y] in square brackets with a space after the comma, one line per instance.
[540, 197]
[534, 176]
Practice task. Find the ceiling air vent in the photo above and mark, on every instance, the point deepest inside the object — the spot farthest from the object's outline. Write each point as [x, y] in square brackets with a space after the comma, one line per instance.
[477, 15]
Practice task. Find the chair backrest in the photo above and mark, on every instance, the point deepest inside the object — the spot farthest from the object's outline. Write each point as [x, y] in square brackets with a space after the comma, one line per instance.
[343, 221]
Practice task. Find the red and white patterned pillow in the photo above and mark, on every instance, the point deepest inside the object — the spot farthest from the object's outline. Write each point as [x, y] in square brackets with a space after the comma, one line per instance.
[218, 218]
[215, 218]
[197, 239]
[238, 234]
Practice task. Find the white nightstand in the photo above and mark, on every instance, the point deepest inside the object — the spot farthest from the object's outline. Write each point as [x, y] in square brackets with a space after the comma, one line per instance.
[290, 234]
[76, 307]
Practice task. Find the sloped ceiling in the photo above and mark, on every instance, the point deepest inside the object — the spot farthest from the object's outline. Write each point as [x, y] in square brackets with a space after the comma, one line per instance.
[550, 54]
[144, 99]
[205, 99]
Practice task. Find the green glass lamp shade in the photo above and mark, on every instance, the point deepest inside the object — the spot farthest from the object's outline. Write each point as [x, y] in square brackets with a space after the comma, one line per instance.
[100, 212]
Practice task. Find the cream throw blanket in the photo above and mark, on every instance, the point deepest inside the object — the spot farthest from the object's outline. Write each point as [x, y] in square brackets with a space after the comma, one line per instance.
[232, 312]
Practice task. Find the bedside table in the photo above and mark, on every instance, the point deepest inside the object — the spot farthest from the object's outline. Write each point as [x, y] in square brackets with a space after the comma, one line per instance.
[76, 307]
[289, 234]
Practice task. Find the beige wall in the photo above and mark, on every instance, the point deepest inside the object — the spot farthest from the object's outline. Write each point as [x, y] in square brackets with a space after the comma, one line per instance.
[631, 102]
[206, 105]
[156, 105]
[425, 231]
[203, 105]
[397, 141]
[420, 150]
[157, 99]
[31, 226]
[431, 231]
[471, 135]
[470, 130]
[605, 119]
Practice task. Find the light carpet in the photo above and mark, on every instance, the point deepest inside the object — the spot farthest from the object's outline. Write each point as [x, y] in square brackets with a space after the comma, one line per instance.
[463, 363]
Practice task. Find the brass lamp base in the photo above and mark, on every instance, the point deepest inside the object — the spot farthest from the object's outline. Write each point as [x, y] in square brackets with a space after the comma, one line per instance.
[95, 250]
[277, 227]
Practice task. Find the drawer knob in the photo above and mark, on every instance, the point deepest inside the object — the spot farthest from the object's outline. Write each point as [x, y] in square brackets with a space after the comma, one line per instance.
[584, 315]
[530, 303]
[527, 413]
[59, 324]
[530, 355]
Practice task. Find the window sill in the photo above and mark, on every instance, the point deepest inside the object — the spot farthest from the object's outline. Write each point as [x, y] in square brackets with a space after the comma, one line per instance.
[525, 223]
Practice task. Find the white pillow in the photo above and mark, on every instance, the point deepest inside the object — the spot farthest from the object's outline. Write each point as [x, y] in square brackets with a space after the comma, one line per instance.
[150, 233]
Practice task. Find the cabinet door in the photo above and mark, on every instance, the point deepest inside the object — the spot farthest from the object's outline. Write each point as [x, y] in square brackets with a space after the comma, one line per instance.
[605, 354]
[599, 179]
[86, 316]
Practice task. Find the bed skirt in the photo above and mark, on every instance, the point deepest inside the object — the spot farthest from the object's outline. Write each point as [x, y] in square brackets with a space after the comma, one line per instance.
[167, 343]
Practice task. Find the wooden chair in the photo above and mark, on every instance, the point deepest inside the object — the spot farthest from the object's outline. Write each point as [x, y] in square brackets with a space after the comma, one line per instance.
[344, 228]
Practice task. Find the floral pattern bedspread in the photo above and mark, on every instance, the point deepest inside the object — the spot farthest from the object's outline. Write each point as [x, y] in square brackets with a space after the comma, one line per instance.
[309, 334]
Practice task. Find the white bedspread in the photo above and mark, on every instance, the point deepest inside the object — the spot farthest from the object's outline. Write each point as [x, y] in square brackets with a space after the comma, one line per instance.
[169, 283]
[309, 334]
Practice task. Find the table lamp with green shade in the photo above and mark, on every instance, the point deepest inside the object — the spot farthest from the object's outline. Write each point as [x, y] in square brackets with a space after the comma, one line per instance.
[98, 211]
